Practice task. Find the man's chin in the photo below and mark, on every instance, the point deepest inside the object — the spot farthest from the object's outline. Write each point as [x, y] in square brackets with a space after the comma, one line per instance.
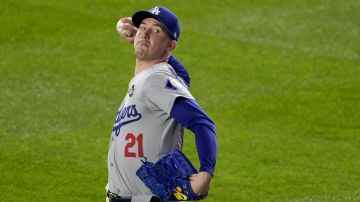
[141, 55]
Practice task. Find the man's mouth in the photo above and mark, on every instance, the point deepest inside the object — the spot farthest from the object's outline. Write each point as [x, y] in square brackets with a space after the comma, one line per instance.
[144, 43]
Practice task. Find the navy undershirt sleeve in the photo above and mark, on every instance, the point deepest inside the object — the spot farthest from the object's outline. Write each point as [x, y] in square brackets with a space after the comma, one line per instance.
[189, 114]
[180, 70]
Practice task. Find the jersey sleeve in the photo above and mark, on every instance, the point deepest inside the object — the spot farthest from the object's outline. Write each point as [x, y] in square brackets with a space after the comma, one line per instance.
[160, 91]
[190, 115]
[180, 70]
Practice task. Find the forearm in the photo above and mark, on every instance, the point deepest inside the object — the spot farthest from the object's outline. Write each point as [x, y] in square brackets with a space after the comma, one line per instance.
[189, 114]
[205, 139]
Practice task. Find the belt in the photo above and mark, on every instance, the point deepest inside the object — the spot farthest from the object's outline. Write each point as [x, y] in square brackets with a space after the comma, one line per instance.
[116, 198]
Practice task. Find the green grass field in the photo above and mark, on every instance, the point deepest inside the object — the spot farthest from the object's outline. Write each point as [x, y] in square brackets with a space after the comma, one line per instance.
[281, 80]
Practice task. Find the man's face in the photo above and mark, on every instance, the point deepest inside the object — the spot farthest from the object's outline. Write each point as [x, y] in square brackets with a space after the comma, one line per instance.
[151, 40]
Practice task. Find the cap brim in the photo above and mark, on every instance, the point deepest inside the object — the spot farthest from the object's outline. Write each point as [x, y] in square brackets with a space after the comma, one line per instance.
[139, 16]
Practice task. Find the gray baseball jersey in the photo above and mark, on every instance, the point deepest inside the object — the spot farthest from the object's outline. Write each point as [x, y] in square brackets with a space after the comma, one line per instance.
[143, 127]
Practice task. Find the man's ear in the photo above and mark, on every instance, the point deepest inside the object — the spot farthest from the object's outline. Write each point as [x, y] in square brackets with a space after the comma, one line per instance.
[172, 46]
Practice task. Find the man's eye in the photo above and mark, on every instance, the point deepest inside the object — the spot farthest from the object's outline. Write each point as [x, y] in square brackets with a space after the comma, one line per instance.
[157, 30]
[142, 27]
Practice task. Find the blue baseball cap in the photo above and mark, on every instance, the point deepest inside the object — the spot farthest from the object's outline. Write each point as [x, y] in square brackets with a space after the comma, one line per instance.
[167, 18]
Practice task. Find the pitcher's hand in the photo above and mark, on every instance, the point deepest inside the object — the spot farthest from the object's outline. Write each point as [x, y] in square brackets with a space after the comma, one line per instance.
[129, 26]
[200, 182]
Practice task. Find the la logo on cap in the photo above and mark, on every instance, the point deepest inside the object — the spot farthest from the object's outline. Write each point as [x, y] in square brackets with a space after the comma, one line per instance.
[155, 11]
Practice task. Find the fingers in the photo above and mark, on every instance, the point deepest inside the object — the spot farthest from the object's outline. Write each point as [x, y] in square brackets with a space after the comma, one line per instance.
[128, 30]
[131, 28]
[128, 25]
[127, 20]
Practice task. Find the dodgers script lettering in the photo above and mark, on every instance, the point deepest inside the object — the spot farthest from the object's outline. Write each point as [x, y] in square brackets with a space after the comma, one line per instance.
[126, 115]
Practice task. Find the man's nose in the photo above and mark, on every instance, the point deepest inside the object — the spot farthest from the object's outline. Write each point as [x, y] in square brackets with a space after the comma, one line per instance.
[146, 33]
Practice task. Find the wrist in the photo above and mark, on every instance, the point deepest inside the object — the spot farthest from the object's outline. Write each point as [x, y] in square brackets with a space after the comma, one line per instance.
[206, 176]
[207, 169]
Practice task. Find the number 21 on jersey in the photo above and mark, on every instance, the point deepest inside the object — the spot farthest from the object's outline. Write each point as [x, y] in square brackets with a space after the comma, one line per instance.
[133, 142]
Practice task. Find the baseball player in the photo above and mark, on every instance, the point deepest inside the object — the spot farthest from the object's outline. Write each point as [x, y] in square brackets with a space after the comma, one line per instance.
[151, 118]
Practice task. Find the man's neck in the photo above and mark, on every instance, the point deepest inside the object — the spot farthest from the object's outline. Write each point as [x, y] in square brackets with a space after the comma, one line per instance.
[144, 64]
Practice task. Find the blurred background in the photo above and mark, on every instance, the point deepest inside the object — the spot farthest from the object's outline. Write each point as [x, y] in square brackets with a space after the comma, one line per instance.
[279, 78]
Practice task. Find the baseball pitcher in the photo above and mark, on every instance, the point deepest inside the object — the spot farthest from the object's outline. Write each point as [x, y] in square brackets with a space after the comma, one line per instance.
[145, 162]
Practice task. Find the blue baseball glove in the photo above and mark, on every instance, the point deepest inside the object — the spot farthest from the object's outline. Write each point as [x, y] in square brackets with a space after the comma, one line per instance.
[168, 178]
